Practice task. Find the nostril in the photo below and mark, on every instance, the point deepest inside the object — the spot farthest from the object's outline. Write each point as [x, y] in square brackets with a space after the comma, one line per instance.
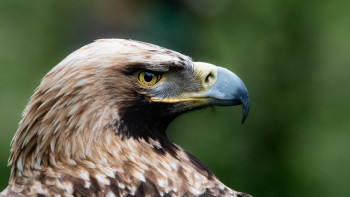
[206, 74]
[209, 77]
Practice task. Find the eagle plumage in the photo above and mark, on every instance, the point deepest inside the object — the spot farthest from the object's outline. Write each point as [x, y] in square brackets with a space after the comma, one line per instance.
[96, 124]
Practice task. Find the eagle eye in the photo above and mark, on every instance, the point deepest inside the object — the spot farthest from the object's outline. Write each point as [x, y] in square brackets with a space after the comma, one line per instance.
[148, 78]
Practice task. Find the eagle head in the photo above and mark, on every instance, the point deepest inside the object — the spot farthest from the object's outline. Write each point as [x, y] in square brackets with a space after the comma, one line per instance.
[107, 97]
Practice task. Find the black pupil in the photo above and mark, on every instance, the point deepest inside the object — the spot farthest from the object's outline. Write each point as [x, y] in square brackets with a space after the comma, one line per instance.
[148, 76]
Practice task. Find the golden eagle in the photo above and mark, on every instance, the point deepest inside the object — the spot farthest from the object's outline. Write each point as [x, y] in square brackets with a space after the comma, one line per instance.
[96, 124]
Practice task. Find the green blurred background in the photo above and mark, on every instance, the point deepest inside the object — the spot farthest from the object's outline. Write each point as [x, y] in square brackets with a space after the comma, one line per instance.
[292, 55]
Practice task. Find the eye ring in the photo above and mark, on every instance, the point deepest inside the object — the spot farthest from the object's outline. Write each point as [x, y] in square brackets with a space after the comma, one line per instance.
[148, 78]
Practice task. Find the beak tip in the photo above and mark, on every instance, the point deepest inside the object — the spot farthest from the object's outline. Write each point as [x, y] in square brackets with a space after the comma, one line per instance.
[245, 115]
[245, 107]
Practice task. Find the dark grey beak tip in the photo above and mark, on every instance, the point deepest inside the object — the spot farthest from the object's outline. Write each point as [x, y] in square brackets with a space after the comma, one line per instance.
[245, 106]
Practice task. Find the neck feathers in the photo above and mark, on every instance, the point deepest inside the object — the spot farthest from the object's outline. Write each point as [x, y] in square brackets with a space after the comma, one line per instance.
[62, 121]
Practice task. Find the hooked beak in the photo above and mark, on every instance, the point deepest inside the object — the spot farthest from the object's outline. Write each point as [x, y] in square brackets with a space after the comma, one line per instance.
[229, 90]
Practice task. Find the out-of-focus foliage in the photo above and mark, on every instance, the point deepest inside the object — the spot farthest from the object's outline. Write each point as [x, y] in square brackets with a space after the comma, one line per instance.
[292, 55]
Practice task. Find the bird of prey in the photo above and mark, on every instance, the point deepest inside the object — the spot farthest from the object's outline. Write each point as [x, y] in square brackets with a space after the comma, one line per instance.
[96, 125]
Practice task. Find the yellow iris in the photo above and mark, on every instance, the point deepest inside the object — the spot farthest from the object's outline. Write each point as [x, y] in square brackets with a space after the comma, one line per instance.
[148, 78]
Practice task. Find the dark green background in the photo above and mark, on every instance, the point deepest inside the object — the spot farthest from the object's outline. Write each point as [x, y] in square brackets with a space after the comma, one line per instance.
[292, 55]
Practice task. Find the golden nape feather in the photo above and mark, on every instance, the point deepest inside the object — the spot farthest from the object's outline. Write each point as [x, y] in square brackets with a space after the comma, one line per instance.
[96, 124]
